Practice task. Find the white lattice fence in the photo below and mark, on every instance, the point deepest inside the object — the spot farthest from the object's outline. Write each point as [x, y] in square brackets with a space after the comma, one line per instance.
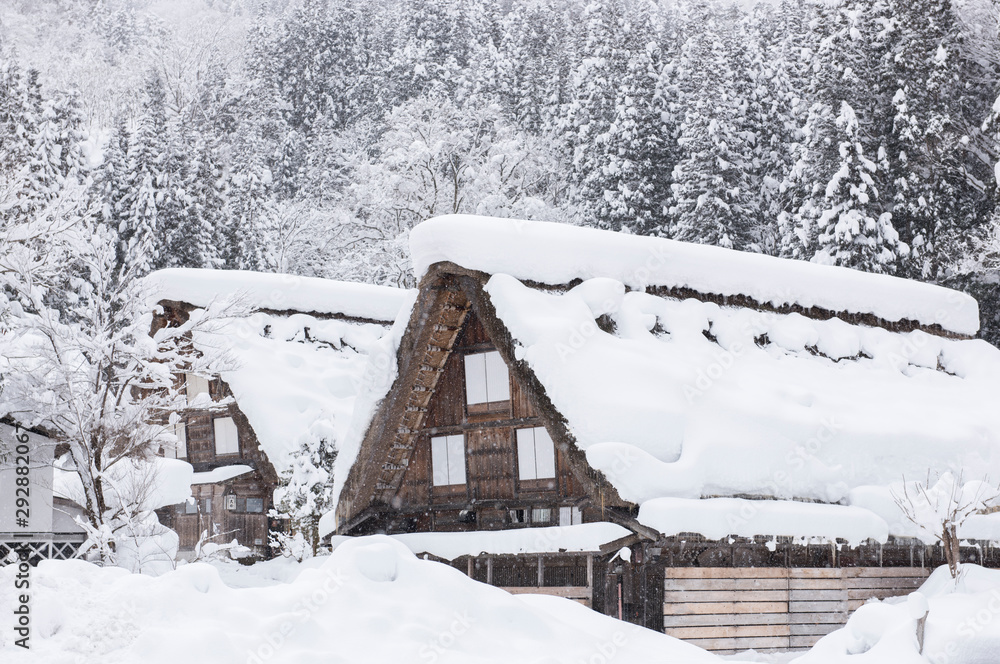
[36, 550]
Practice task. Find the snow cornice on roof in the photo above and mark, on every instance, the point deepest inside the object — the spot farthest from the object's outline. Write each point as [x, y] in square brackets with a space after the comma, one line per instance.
[561, 255]
[280, 293]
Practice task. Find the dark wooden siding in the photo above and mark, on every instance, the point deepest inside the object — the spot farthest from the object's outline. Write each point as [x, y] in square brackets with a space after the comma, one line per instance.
[473, 334]
[492, 488]
[416, 487]
[224, 525]
[221, 524]
[521, 406]
[491, 470]
[447, 407]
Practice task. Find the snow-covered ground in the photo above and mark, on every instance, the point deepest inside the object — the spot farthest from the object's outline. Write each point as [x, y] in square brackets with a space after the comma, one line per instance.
[373, 600]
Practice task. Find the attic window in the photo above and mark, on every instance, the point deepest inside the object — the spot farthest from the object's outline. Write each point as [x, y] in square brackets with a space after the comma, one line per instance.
[227, 439]
[487, 380]
[195, 385]
[536, 455]
[448, 460]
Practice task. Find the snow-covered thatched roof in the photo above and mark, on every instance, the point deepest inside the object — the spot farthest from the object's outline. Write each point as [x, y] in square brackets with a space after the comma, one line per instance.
[678, 396]
[559, 254]
[300, 365]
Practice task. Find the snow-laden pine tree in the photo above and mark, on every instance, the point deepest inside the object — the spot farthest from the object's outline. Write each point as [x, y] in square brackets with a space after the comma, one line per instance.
[432, 44]
[639, 149]
[840, 168]
[711, 198]
[140, 229]
[242, 239]
[527, 71]
[42, 136]
[849, 226]
[776, 60]
[590, 112]
[203, 206]
[938, 98]
[305, 493]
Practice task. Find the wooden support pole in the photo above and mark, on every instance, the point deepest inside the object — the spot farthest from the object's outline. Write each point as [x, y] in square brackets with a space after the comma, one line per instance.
[489, 570]
[541, 572]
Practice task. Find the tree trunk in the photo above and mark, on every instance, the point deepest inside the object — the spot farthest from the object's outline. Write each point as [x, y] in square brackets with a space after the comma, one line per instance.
[951, 551]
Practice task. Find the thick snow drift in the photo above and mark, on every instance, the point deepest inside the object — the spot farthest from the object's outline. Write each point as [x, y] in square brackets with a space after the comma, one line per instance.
[372, 600]
[558, 254]
[687, 399]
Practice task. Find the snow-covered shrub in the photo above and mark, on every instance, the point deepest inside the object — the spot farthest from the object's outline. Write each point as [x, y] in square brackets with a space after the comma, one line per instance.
[939, 509]
[305, 494]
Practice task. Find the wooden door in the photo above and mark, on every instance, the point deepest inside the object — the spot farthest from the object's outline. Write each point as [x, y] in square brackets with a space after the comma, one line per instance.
[631, 592]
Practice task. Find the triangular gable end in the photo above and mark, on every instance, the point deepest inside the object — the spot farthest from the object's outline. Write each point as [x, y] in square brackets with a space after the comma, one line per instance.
[392, 487]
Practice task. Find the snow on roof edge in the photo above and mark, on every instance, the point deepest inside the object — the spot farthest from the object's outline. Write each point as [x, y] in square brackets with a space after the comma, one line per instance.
[221, 474]
[718, 518]
[579, 538]
[279, 292]
[557, 254]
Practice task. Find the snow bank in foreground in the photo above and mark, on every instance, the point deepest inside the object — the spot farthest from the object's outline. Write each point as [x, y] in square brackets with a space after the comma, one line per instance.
[963, 625]
[558, 253]
[370, 601]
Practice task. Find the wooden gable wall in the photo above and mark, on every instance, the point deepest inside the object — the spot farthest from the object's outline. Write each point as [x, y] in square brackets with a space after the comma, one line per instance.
[492, 488]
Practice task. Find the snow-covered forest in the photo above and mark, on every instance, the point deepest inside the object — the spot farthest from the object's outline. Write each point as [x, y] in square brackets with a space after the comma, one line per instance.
[309, 137]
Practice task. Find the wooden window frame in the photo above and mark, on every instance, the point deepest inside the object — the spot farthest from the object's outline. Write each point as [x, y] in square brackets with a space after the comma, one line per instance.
[570, 515]
[179, 451]
[216, 421]
[449, 441]
[195, 385]
[489, 406]
[522, 445]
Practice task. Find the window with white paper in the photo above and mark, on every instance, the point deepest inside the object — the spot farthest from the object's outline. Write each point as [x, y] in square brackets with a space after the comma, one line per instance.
[227, 440]
[536, 455]
[448, 460]
[486, 378]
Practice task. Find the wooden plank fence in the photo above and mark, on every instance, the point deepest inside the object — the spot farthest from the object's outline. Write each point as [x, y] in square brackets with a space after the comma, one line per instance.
[729, 609]
[579, 594]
